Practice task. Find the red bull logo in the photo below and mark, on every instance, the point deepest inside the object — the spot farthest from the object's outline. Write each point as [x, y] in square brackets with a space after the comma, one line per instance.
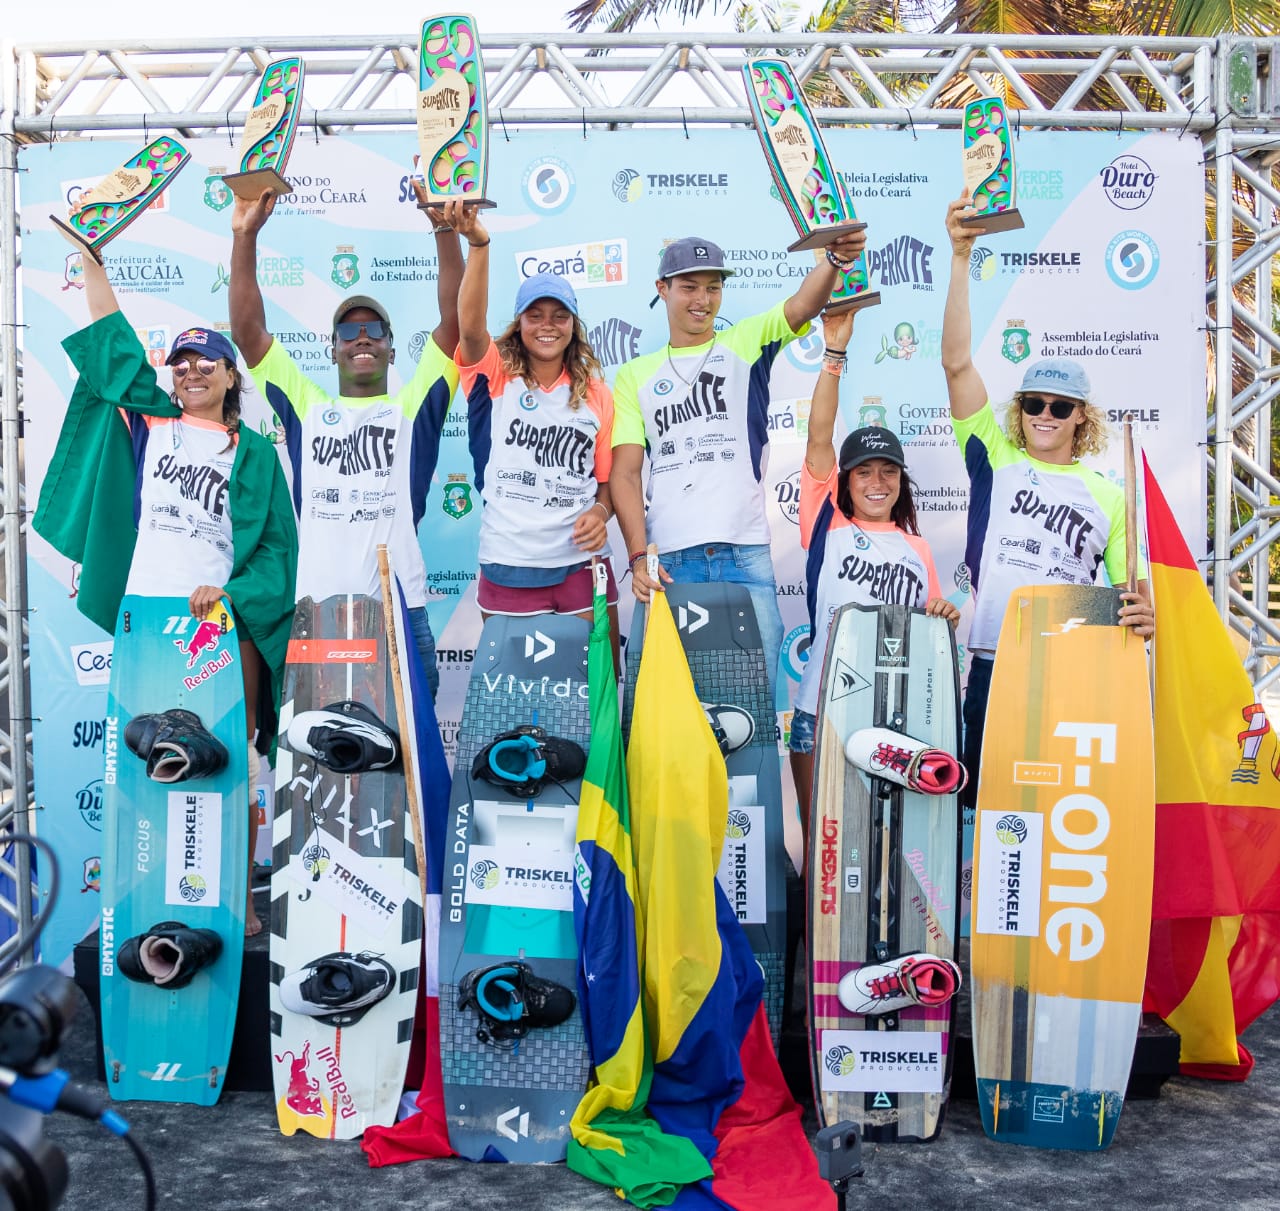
[303, 1095]
[205, 638]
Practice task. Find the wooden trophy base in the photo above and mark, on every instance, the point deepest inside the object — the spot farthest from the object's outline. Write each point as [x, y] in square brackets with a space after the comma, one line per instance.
[249, 185]
[996, 220]
[73, 237]
[820, 237]
[436, 202]
[868, 298]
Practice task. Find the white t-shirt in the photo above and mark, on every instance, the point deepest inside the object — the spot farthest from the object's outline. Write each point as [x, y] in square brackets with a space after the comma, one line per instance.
[858, 562]
[362, 470]
[538, 462]
[703, 413]
[182, 504]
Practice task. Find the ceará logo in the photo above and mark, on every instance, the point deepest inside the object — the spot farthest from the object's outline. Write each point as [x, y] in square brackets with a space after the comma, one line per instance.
[548, 185]
[92, 662]
[1128, 182]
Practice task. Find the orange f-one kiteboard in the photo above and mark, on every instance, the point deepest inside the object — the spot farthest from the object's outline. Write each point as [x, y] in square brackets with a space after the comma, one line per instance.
[1063, 854]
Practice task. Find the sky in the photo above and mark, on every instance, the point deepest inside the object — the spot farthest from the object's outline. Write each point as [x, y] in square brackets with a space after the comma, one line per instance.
[80, 20]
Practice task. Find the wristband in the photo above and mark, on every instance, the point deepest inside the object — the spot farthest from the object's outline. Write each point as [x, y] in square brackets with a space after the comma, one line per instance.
[631, 563]
[484, 244]
[441, 230]
[829, 352]
[600, 504]
[836, 368]
[836, 263]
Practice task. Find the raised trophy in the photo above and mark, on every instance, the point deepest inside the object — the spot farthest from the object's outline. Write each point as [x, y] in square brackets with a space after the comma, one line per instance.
[103, 212]
[814, 194]
[269, 130]
[453, 125]
[988, 166]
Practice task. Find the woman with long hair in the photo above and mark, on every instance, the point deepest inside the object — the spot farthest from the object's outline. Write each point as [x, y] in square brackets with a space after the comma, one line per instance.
[858, 523]
[131, 450]
[540, 417]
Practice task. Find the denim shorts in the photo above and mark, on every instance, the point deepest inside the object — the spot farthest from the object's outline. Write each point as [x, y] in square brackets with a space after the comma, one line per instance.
[803, 726]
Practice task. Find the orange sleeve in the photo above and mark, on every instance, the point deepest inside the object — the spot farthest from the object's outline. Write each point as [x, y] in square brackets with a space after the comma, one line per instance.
[922, 549]
[490, 365]
[812, 493]
[600, 401]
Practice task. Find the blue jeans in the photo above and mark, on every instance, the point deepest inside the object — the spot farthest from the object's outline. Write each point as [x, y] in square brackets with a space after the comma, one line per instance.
[803, 730]
[426, 645]
[731, 563]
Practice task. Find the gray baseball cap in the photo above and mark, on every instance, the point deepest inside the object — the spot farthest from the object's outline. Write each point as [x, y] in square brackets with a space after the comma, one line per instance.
[692, 254]
[361, 300]
[1058, 376]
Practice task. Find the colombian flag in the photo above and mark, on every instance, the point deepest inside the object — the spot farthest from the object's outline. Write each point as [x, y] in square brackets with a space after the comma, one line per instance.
[716, 1079]
[1214, 963]
[615, 1142]
[425, 1134]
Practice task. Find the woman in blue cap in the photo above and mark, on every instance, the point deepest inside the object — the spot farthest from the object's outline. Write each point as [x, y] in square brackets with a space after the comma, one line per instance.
[541, 425]
[166, 494]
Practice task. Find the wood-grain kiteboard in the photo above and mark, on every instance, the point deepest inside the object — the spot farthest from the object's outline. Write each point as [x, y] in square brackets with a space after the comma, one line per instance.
[508, 897]
[883, 873]
[344, 881]
[173, 852]
[1062, 858]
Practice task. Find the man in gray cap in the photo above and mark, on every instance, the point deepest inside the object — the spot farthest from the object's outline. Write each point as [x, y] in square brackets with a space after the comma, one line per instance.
[362, 460]
[700, 406]
[1029, 494]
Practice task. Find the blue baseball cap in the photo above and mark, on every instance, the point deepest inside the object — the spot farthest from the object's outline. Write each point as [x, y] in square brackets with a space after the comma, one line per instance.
[204, 341]
[1058, 376]
[545, 286]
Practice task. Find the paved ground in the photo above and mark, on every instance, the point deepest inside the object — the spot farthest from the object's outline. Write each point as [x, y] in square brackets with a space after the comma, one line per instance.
[1198, 1145]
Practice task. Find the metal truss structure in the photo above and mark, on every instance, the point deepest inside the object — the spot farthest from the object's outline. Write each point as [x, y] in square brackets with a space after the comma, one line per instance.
[1226, 92]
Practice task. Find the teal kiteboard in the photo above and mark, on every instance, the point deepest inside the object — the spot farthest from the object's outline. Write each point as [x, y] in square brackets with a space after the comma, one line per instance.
[506, 931]
[175, 851]
[717, 627]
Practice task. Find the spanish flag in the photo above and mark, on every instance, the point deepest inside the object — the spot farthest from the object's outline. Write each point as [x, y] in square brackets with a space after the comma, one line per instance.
[615, 1142]
[716, 1079]
[1214, 962]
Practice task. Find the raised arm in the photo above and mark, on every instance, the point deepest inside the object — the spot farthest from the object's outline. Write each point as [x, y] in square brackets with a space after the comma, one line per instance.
[965, 388]
[97, 289]
[448, 274]
[248, 313]
[820, 281]
[473, 295]
[820, 452]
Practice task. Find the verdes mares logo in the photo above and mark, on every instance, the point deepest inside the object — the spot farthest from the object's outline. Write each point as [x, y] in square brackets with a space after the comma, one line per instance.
[1128, 181]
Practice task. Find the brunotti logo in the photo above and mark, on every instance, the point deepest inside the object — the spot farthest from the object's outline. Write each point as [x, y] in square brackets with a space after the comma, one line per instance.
[1129, 182]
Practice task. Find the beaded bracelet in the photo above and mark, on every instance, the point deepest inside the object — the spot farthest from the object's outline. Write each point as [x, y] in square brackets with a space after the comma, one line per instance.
[837, 263]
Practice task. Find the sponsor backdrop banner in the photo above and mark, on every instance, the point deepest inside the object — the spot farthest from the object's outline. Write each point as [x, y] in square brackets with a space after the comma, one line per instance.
[1109, 269]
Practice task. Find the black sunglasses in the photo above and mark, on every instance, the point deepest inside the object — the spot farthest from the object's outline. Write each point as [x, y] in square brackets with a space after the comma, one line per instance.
[348, 330]
[205, 365]
[1059, 409]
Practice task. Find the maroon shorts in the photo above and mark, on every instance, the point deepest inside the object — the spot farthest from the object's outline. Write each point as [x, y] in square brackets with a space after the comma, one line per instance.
[573, 595]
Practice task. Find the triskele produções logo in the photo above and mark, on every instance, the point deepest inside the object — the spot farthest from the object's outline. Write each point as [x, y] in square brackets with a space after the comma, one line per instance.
[1011, 830]
[739, 824]
[840, 1060]
[485, 874]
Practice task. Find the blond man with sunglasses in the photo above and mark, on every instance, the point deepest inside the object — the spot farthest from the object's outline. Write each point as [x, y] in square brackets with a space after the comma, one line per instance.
[1036, 514]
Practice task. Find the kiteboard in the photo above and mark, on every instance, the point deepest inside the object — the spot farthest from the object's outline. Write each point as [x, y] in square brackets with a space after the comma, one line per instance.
[511, 1087]
[346, 903]
[884, 874]
[721, 639]
[1062, 860]
[175, 853]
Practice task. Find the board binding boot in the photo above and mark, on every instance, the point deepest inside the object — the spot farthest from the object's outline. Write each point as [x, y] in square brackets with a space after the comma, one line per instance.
[510, 1001]
[911, 763]
[732, 727]
[176, 746]
[168, 955]
[524, 760]
[915, 979]
[338, 988]
[346, 737]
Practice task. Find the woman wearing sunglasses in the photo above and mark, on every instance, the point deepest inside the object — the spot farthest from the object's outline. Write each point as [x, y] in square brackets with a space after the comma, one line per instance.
[1051, 519]
[166, 494]
[541, 422]
[858, 523]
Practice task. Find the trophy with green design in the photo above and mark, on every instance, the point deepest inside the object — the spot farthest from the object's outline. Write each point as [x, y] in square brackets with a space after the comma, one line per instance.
[988, 166]
[453, 124]
[810, 187]
[269, 131]
[103, 212]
